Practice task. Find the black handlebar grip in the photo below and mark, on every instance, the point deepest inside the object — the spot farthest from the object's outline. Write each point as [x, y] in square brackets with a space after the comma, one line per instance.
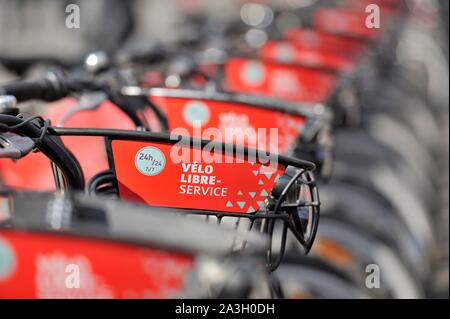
[24, 90]
[49, 88]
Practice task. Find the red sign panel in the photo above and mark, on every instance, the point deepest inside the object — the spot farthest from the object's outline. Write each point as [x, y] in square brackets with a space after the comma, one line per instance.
[310, 39]
[284, 81]
[169, 175]
[267, 129]
[287, 52]
[351, 22]
[39, 265]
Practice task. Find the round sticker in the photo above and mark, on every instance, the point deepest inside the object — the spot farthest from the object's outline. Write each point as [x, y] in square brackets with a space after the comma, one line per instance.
[253, 73]
[196, 111]
[7, 260]
[150, 161]
[284, 52]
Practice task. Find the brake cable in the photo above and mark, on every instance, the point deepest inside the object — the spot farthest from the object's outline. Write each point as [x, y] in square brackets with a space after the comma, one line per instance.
[50, 145]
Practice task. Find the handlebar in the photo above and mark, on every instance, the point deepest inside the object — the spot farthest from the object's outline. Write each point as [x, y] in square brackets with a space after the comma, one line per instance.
[50, 146]
[25, 90]
[50, 88]
[55, 85]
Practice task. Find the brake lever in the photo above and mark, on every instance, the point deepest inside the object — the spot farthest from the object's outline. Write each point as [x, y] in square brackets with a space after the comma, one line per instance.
[88, 102]
[15, 146]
